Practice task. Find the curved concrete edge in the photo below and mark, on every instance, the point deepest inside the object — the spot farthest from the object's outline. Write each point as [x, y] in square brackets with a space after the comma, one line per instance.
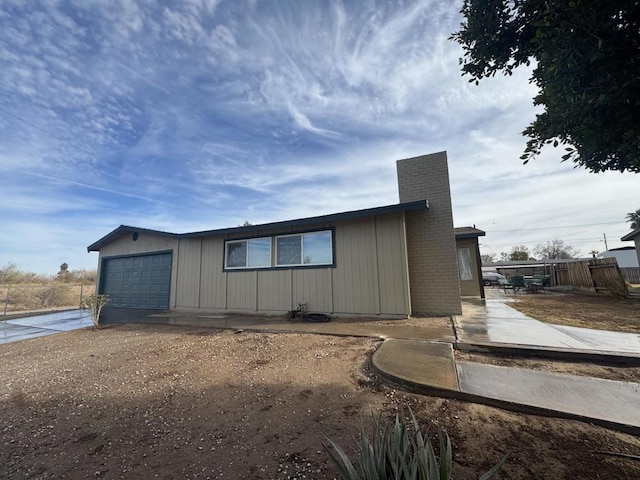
[438, 391]
[596, 356]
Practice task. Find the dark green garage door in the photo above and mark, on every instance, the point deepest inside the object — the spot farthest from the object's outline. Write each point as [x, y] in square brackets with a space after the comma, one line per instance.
[141, 281]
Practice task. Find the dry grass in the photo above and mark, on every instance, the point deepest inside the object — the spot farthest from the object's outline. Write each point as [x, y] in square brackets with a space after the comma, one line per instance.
[33, 297]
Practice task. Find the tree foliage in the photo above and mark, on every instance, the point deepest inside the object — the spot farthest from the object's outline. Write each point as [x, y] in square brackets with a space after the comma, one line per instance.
[94, 305]
[634, 219]
[586, 57]
[518, 253]
[487, 258]
[555, 248]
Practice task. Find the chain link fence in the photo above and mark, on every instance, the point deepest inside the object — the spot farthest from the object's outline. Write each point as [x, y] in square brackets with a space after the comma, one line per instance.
[30, 298]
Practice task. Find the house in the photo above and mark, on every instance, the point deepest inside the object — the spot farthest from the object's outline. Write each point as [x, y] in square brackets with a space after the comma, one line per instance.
[393, 260]
[634, 237]
[625, 256]
[469, 261]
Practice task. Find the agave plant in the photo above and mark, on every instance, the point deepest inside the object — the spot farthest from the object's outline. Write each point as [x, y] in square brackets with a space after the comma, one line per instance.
[397, 452]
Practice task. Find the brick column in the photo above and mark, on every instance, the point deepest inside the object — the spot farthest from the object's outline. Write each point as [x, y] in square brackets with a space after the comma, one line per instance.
[431, 247]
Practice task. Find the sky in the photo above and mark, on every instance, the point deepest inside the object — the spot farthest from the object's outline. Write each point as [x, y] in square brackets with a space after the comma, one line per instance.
[203, 114]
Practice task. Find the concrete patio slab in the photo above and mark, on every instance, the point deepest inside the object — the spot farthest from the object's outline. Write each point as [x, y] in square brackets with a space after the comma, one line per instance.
[590, 398]
[375, 328]
[412, 363]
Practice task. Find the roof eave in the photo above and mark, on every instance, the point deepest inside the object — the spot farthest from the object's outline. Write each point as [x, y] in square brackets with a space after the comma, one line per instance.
[630, 236]
[121, 230]
[388, 209]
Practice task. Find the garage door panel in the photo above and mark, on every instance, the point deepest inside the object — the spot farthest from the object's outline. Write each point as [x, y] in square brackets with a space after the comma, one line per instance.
[138, 282]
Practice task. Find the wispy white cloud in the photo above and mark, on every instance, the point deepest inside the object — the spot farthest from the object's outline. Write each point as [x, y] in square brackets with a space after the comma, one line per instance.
[202, 114]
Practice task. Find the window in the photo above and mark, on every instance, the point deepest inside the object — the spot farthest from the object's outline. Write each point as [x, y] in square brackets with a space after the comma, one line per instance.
[251, 253]
[313, 248]
[464, 263]
[295, 250]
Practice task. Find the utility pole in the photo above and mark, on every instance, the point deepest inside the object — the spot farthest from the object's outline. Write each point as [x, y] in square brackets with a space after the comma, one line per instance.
[606, 247]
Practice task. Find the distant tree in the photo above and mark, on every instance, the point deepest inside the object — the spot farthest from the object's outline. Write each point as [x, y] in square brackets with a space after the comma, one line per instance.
[634, 219]
[504, 257]
[247, 223]
[519, 253]
[555, 248]
[487, 258]
[63, 274]
[586, 65]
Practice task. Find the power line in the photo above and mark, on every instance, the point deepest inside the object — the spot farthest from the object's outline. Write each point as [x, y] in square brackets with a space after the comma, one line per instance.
[553, 228]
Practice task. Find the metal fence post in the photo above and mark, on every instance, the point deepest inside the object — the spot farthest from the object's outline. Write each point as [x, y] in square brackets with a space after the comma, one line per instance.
[6, 302]
[81, 296]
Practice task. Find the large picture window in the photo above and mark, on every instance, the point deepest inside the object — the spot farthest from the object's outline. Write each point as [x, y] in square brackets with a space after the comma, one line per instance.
[313, 248]
[251, 253]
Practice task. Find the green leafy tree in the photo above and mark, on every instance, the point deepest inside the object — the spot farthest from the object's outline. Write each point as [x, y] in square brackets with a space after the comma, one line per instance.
[555, 248]
[634, 219]
[586, 57]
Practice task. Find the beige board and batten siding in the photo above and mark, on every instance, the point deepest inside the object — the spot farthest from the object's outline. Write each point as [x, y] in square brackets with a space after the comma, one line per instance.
[143, 245]
[188, 275]
[370, 275]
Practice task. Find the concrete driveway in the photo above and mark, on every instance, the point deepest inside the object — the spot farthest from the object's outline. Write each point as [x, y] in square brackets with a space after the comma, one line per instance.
[40, 325]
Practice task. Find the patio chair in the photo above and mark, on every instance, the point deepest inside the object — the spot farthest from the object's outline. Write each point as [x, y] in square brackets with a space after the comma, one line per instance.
[505, 285]
[518, 283]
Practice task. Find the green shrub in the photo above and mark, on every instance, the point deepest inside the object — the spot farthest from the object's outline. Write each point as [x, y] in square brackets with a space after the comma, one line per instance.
[397, 452]
[94, 304]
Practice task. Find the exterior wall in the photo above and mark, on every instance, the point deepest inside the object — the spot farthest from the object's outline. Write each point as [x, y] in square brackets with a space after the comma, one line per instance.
[145, 243]
[370, 275]
[433, 269]
[471, 288]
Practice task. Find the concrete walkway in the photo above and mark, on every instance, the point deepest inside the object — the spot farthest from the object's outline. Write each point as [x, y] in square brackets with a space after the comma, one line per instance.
[431, 368]
[496, 324]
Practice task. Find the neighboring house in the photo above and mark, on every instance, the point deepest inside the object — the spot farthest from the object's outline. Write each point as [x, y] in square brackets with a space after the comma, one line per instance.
[634, 237]
[393, 260]
[625, 256]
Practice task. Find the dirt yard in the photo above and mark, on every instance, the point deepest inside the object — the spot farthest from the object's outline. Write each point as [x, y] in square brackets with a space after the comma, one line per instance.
[582, 310]
[179, 402]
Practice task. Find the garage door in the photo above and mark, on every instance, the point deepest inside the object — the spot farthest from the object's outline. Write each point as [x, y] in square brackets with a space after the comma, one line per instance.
[141, 281]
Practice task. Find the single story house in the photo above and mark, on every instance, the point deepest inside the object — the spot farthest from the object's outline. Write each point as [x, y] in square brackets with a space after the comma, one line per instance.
[393, 260]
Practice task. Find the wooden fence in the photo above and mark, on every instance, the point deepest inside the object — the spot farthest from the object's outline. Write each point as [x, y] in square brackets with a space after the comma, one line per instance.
[598, 274]
[631, 274]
